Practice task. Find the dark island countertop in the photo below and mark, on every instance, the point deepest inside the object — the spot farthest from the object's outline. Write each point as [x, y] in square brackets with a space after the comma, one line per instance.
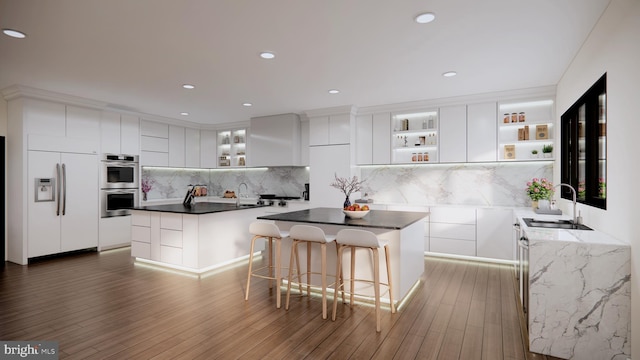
[381, 219]
[200, 208]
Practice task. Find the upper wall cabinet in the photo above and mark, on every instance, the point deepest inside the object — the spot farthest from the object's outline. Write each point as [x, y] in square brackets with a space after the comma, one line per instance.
[232, 148]
[208, 149]
[329, 130]
[525, 130]
[481, 132]
[373, 139]
[120, 134]
[192, 143]
[453, 134]
[275, 140]
[415, 137]
[154, 143]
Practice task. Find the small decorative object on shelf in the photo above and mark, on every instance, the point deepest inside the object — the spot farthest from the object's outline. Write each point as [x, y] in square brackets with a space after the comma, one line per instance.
[534, 154]
[547, 150]
[539, 189]
[347, 186]
[509, 151]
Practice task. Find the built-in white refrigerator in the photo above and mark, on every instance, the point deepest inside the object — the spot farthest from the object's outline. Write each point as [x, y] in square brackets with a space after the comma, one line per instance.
[63, 202]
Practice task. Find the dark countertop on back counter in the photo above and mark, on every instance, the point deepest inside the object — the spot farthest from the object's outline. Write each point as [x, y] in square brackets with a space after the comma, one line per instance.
[199, 208]
[381, 219]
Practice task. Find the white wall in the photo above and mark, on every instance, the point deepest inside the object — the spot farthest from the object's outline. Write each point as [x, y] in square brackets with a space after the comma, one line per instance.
[3, 117]
[614, 47]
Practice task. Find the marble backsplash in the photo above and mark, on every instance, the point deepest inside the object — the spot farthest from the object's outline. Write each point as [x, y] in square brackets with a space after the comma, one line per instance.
[171, 183]
[485, 184]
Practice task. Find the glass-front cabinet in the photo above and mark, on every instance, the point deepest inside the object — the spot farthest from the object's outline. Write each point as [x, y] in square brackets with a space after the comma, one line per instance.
[414, 137]
[232, 148]
[584, 144]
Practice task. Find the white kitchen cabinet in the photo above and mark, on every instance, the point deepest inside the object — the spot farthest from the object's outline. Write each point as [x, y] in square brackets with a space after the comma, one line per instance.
[482, 132]
[114, 232]
[332, 129]
[70, 222]
[119, 134]
[129, 135]
[494, 233]
[373, 139]
[83, 123]
[176, 146]
[415, 137]
[44, 118]
[453, 134]
[325, 161]
[452, 230]
[154, 143]
[304, 143]
[192, 148]
[208, 155]
[416, 208]
[275, 140]
[364, 139]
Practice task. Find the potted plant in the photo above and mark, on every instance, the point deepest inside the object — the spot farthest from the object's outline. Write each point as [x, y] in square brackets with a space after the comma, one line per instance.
[539, 189]
[534, 154]
[547, 150]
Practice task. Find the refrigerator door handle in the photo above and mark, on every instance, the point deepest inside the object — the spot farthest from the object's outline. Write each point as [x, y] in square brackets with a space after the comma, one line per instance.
[64, 193]
[58, 190]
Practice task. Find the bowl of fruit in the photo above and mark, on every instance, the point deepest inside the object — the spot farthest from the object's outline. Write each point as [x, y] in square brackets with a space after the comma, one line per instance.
[356, 211]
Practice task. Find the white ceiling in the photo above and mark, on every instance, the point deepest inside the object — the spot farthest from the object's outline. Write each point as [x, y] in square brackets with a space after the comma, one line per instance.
[136, 54]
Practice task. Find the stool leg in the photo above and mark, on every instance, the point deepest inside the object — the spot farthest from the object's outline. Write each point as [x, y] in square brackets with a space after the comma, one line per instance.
[253, 242]
[308, 269]
[352, 280]
[270, 241]
[298, 269]
[338, 285]
[376, 283]
[323, 267]
[291, 260]
[339, 276]
[389, 281]
[278, 272]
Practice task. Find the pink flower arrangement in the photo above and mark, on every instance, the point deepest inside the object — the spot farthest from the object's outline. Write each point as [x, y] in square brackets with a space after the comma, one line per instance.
[146, 185]
[539, 189]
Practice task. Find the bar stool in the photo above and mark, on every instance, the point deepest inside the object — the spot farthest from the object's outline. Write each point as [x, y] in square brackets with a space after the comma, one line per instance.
[308, 235]
[354, 239]
[270, 232]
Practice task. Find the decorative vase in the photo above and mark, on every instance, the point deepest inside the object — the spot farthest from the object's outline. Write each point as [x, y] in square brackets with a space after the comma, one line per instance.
[144, 196]
[347, 202]
[543, 204]
[534, 204]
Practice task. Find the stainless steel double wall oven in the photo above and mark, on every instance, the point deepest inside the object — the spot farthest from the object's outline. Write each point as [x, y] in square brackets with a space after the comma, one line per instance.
[119, 185]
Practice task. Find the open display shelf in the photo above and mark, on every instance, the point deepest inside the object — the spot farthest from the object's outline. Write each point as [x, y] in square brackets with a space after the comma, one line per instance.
[232, 148]
[525, 126]
[414, 137]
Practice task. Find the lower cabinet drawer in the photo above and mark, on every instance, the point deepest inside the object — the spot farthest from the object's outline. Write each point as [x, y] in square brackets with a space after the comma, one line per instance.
[452, 246]
[453, 231]
[171, 255]
[171, 238]
[141, 250]
[141, 234]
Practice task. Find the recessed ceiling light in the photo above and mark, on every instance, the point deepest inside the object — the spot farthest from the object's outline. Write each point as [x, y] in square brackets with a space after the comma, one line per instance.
[188, 86]
[450, 74]
[267, 55]
[334, 91]
[184, 113]
[425, 18]
[14, 33]
[247, 104]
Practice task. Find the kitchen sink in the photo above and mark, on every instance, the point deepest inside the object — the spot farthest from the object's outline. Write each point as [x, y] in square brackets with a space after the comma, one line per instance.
[247, 205]
[555, 224]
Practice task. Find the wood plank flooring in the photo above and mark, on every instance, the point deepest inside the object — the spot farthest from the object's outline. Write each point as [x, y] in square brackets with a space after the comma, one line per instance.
[103, 306]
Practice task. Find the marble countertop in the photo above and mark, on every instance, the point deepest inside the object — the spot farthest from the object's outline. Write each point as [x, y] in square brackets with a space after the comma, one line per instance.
[594, 237]
[381, 219]
[198, 208]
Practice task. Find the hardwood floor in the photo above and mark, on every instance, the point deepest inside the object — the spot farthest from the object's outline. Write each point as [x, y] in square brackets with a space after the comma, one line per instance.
[103, 306]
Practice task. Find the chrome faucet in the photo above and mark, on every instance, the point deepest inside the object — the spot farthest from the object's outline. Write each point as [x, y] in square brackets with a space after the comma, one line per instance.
[238, 196]
[575, 215]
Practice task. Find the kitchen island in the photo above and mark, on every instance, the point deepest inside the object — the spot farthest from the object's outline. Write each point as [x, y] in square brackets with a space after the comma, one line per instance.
[579, 293]
[194, 238]
[403, 230]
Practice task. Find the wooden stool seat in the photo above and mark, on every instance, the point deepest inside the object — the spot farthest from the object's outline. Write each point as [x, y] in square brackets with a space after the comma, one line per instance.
[362, 239]
[270, 232]
[308, 235]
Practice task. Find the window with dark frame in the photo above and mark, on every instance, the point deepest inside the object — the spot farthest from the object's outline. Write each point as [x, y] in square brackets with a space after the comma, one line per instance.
[583, 150]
